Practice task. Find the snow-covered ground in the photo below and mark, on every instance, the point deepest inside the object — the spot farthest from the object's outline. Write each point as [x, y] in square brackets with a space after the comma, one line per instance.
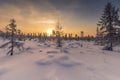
[77, 60]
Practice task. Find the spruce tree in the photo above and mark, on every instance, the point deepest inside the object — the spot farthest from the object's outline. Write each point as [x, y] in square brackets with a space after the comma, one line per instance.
[108, 22]
[12, 28]
[58, 34]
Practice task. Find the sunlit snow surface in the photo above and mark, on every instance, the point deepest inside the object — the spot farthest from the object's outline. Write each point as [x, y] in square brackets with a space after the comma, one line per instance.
[43, 61]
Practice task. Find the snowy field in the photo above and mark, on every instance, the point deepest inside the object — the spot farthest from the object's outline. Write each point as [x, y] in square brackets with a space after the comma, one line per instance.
[76, 60]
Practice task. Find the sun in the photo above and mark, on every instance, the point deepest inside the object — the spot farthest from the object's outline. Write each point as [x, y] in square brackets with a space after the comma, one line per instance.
[49, 31]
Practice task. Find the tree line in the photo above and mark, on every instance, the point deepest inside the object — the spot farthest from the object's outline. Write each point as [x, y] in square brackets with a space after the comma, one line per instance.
[15, 36]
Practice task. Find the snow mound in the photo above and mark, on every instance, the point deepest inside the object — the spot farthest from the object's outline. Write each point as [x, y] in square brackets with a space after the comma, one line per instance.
[63, 61]
[3, 71]
[44, 62]
[65, 51]
[52, 52]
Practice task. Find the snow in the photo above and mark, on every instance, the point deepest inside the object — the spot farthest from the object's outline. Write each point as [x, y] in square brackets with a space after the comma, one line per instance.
[76, 60]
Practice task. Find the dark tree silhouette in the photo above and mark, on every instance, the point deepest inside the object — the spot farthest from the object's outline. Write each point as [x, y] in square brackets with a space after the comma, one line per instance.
[58, 33]
[11, 28]
[108, 21]
[82, 35]
[70, 36]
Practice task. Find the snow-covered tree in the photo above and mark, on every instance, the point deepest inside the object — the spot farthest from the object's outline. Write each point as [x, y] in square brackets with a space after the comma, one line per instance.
[11, 28]
[58, 33]
[108, 22]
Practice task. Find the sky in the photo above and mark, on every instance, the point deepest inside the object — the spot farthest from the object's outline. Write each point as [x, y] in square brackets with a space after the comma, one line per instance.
[40, 15]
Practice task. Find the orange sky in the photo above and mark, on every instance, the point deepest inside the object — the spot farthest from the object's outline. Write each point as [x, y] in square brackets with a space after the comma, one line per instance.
[36, 16]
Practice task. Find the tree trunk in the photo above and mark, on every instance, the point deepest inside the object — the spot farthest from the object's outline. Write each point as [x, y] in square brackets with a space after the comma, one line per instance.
[12, 42]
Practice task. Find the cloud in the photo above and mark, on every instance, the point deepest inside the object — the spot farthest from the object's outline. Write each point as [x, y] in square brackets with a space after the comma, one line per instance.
[45, 22]
[26, 11]
[72, 13]
[27, 7]
[30, 15]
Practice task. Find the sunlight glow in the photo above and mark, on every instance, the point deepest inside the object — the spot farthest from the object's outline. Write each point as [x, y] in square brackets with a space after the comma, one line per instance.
[45, 22]
[49, 31]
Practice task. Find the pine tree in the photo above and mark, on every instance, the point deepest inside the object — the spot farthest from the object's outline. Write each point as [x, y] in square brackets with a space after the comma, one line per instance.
[108, 21]
[11, 28]
[58, 34]
[70, 36]
[97, 36]
[82, 35]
